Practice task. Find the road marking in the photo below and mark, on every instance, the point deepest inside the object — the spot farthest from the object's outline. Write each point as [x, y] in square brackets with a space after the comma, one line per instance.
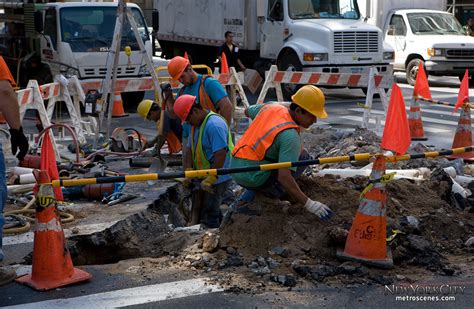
[131, 296]
[85, 229]
[372, 121]
[425, 119]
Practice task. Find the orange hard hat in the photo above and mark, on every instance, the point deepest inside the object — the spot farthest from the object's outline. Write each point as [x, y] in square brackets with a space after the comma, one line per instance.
[177, 66]
[183, 106]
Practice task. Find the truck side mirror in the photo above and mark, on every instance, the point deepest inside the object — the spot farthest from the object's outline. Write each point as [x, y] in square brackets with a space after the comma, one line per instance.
[260, 11]
[155, 20]
[39, 25]
[391, 30]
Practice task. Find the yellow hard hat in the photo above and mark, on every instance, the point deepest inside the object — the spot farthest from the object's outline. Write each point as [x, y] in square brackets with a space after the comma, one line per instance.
[144, 108]
[311, 99]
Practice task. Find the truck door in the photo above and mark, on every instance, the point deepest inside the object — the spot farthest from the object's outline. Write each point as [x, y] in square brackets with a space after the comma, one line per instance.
[272, 30]
[49, 41]
[396, 37]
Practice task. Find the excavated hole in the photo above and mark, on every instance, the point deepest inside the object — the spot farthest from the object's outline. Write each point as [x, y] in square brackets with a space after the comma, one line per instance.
[145, 234]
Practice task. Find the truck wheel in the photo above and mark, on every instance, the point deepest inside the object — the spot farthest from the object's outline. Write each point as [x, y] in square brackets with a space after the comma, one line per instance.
[289, 62]
[130, 100]
[412, 70]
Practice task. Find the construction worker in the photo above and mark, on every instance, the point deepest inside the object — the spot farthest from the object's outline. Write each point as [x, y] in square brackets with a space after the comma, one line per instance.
[10, 110]
[272, 137]
[469, 27]
[209, 146]
[172, 128]
[231, 52]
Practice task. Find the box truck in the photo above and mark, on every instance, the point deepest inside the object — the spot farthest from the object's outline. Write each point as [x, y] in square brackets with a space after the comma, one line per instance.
[422, 32]
[40, 40]
[299, 35]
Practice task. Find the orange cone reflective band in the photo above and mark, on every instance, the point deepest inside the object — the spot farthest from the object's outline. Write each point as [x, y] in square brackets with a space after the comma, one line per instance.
[48, 163]
[421, 89]
[224, 65]
[52, 264]
[396, 134]
[117, 109]
[463, 95]
[463, 134]
[416, 124]
[366, 241]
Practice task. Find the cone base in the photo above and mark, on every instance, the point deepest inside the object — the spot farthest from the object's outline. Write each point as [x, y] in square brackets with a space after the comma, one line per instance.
[419, 138]
[45, 284]
[386, 263]
[120, 116]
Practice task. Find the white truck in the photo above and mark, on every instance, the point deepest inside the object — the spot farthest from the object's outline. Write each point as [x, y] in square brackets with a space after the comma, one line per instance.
[40, 40]
[301, 35]
[422, 32]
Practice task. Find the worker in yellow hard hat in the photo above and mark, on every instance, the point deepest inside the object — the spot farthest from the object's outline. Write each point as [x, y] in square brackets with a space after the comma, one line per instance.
[274, 136]
[172, 128]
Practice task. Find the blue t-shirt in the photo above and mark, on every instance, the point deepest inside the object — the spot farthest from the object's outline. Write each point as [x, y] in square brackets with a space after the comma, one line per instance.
[214, 90]
[214, 138]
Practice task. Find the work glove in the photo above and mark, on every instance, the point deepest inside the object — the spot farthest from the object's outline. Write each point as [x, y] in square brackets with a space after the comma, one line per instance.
[319, 209]
[19, 143]
[206, 184]
[188, 182]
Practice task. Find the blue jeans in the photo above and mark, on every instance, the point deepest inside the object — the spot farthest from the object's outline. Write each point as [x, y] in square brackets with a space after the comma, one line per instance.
[211, 214]
[3, 198]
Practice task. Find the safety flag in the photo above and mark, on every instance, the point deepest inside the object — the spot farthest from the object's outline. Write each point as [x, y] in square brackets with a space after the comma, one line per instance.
[463, 95]
[48, 163]
[396, 134]
[421, 88]
[224, 65]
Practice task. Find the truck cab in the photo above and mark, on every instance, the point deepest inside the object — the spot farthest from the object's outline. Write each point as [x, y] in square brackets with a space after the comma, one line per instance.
[434, 38]
[322, 36]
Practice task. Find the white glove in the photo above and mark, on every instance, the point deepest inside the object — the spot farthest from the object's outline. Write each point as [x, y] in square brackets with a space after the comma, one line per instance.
[319, 209]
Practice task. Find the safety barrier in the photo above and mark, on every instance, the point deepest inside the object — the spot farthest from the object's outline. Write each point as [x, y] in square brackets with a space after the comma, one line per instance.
[374, 82]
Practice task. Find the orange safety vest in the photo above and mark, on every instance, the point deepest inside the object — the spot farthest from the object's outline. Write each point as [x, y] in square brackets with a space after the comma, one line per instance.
[204, 98]
[270, 120]
[5, 72]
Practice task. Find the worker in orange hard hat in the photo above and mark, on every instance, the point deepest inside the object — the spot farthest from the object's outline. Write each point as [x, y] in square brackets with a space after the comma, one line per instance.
[207, 90]
[274, 136]
[208, 147]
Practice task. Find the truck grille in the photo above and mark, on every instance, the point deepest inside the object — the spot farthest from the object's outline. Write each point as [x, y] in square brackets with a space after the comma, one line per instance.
[356, 42]
[460, 53]
[101, 72]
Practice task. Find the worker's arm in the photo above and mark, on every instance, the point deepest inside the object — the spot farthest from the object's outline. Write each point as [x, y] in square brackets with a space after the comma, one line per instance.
[169, 101]
[9, 107]
[241, 65]
[219, 158]
[225, 109]
[285, 178]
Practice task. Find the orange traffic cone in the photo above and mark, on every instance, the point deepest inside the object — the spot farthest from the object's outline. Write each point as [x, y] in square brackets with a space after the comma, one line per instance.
[224, 65]
[2, 119]
[52, 264]
[117, 110]
[186, 55]
[416, 124]
[463, 136]
[366, 242]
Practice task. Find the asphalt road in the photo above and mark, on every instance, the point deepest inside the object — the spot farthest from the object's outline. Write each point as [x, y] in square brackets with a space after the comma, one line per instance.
[178, 290]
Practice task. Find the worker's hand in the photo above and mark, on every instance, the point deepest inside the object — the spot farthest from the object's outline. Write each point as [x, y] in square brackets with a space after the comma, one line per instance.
[188, 182]
[19, 143]
[319, 209]
[206, 183]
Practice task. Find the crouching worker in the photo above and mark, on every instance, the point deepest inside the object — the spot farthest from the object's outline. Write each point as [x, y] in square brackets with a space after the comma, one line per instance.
[172, 128]
[274, 136]
[208, 147]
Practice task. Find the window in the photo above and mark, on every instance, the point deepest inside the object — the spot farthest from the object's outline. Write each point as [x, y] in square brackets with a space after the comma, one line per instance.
[397, 26]
[275, 10]
[50, 27]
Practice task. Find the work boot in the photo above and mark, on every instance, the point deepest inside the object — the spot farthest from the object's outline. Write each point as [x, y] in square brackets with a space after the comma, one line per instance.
[7, 275]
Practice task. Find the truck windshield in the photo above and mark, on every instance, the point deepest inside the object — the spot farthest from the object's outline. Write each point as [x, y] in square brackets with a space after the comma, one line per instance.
[434, 23]
[310, 9]
[92, 28]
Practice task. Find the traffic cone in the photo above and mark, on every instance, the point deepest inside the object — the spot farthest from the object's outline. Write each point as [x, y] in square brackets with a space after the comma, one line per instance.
[2, 119]
[463, 136]
[52, 264]
[117, 110]
[186, 55]
[416, 124]
[366, 242]
[224, 65]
